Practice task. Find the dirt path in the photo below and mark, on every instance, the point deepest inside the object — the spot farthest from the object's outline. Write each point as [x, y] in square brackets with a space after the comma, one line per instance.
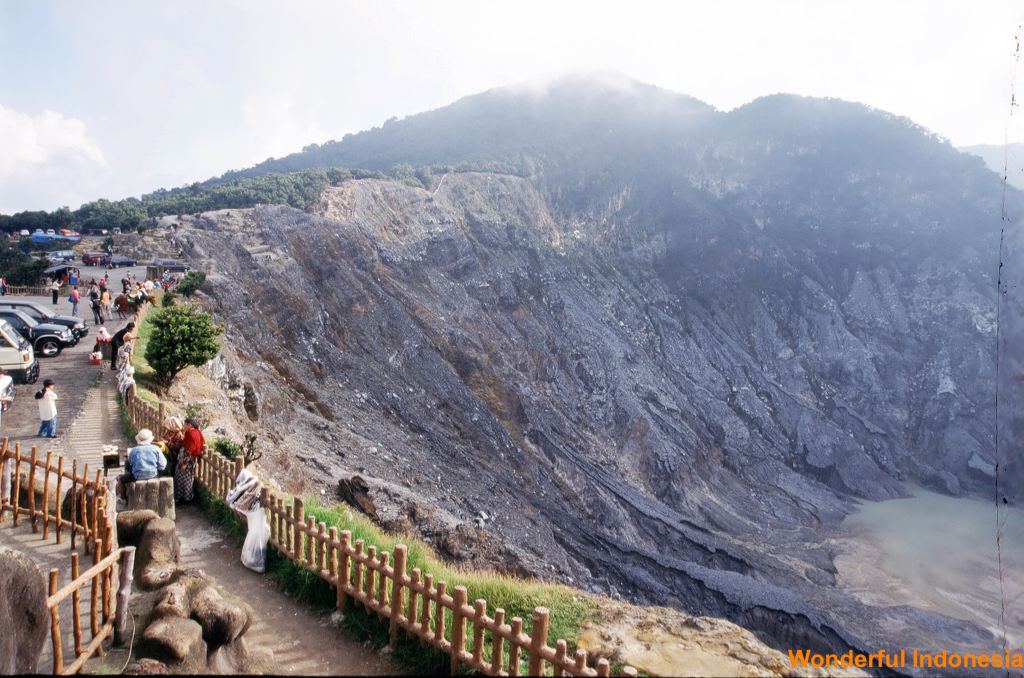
[303, 644]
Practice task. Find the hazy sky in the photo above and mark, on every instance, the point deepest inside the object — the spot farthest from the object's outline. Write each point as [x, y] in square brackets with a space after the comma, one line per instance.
[109, 99]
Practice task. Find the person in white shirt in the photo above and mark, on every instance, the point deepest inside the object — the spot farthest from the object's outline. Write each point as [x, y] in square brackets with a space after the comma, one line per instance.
[47, 398]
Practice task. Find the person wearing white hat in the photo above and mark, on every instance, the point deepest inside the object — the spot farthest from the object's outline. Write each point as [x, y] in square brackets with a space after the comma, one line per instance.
[145, 461]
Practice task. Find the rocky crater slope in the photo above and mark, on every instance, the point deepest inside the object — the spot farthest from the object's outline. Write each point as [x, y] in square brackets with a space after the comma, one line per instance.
[662, 370]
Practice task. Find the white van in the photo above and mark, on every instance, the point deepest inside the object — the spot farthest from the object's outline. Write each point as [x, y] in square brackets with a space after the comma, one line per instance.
[16, 355]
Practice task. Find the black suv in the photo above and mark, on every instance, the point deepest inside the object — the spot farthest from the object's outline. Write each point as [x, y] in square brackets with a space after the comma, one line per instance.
[49, 339]
[45, 315]
[120, 260]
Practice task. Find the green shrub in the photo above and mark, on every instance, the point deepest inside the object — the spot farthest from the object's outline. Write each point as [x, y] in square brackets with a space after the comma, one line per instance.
[182, 336]
[168, 299]
[227, 447]
[191, 282]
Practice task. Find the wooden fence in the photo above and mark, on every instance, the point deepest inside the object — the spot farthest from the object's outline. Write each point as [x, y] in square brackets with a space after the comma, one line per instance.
[90, 518]
[411, 601]
[106, 614]
[33, 290]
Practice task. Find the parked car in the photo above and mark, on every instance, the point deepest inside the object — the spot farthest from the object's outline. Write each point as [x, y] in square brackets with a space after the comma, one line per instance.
[117, 229]
[119, 260]
[16, 355]
[47, 338]
[46, 315]
[50, 231]
[95, 258]
[24, 233]
[61, 255]
[172, 265]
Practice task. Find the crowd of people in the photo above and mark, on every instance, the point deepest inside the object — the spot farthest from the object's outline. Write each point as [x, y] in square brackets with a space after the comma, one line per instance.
[175, 454]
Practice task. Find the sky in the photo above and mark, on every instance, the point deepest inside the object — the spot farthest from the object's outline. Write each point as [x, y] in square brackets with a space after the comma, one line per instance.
[111, 99]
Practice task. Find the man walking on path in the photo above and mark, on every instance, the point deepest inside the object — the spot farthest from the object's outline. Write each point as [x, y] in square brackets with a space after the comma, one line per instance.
[47, 410]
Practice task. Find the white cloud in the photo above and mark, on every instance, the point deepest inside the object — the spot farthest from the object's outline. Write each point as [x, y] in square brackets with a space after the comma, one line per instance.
[47, 160]
[45, 138]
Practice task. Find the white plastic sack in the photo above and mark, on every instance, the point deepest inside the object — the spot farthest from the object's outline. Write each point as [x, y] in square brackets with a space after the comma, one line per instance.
[254, 550]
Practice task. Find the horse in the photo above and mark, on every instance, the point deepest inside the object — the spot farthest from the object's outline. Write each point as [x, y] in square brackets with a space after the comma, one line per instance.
[125, 306]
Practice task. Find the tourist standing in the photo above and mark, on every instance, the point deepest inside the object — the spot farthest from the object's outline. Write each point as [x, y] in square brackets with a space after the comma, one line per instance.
[74, 299]
[3, 286]
[117, 341]
[55, 291]
[47, 398]
[97, 311]
[192, 446]
[105, 302]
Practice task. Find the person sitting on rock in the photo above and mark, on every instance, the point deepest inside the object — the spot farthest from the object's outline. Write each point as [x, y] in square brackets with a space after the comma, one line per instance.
[145, 461]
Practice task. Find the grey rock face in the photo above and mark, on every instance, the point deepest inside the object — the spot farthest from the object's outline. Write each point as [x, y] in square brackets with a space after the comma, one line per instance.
[674, 406]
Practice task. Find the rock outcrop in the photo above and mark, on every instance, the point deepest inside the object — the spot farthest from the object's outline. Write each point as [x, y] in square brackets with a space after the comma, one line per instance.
[24, 617]
[189, 625]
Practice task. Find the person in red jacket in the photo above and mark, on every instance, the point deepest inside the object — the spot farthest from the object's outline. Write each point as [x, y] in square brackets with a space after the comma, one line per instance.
[193, 443]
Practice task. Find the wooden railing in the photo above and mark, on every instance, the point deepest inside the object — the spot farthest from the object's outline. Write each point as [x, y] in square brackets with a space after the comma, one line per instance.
[88, 514]
[34, 290]
[90, 519]
[411, 601]
[106, 615]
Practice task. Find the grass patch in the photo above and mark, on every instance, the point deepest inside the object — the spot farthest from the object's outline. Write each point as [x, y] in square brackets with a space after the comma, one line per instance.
[127, 426]
[517, 597]
[145, 375]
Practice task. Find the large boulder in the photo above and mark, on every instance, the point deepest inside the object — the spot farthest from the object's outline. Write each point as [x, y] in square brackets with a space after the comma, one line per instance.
[24, 617]
[177, 642]
[223, 618]
[130, 525]
[156, 558]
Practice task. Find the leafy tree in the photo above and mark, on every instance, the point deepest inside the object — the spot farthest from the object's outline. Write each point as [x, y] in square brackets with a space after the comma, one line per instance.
[18, 267]
[182, 336]
[191, 282]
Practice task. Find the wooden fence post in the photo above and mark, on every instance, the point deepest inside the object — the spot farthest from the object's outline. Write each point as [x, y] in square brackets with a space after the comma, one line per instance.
[344, 569]
[479, 612]
[560, 649]
[124, 591]
[16, 492]
[73, 504]
[32, 489]
[497, 642]
[76, 610]
[298, 515]
[371, 560]
[603, 667]
[5, 480]
[459, 598]
[58, 649]
[538, 639]
[397, 589]
[46, 495]
[439, 621]
[515, 650]
[357, 575]
[57, 496]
